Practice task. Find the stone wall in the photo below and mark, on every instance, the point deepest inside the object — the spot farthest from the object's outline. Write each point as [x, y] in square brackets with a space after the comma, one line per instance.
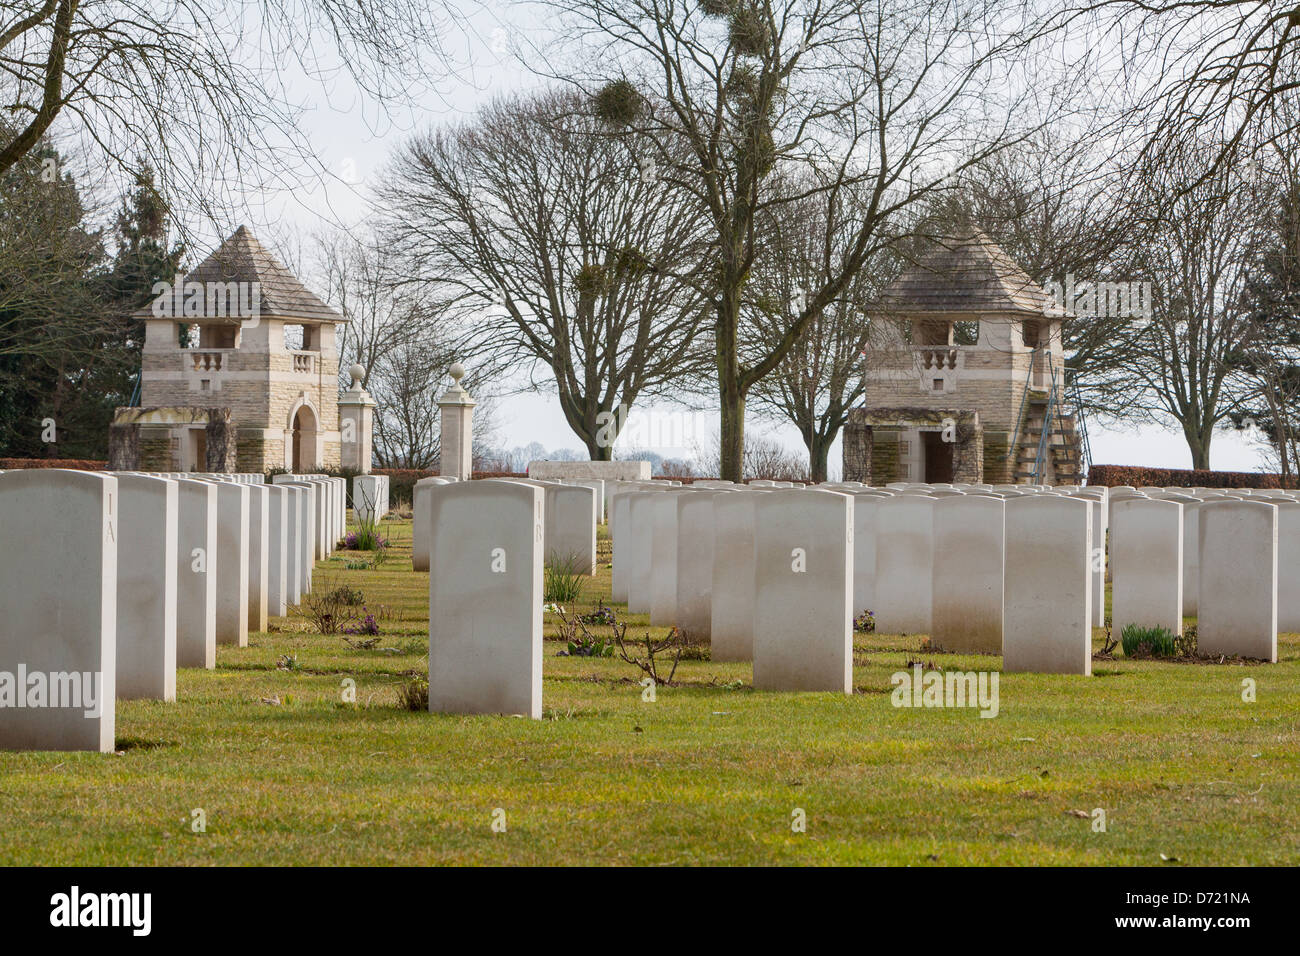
[871, 442]
[149, 439]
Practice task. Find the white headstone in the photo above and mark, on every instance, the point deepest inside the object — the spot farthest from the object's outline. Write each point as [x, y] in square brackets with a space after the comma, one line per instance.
[1047, 604]
[620, 538]
[306, 535]
[67, 524]
[803, 582]
[864, 552]
[663, 560]
[694, 615]
[259, 556]
[731, 612]
[294, 514]
[1237, 608]
[1288, 566]
[277, 549]
[485, 599]
[597, 485]
[1146, 564]
[904, 564]
[422, 509]
[640, 548]
[232, 563]
[146, 588]
[968, 579]
[196, 574]
[571, 527]
[369, 497]
[1191, 549]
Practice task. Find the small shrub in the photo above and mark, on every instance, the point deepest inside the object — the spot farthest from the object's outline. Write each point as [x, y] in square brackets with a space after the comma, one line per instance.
[414, 695]
[578, 641]
[1139, 641]
[649, 665]
[600, 615]
[347, 595]
[367, 537]
[864, 622]
[328, 607]
[366, 627]
[388, 614]
[562, 582]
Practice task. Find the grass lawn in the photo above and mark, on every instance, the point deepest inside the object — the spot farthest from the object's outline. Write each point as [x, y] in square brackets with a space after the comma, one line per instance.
[285, 772]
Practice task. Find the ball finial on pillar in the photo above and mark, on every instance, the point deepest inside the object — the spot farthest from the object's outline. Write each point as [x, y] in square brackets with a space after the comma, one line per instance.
[457, 409]
[357, 372]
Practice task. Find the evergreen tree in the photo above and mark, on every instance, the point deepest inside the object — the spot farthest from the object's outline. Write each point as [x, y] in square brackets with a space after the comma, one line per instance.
[50, 260]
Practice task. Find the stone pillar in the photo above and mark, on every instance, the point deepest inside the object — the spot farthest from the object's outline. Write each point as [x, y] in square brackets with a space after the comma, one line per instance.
[356, 424]
[456, 460]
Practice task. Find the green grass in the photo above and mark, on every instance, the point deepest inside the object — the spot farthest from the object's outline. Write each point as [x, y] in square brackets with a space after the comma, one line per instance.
[709, 773]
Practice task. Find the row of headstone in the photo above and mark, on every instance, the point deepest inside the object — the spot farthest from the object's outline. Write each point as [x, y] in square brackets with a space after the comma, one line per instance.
[124, 577]
[1230, 561]
[942, 561]
[768, 575]
[921, 563]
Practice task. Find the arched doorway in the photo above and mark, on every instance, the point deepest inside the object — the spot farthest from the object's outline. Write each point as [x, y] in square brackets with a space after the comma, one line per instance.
[306, 453]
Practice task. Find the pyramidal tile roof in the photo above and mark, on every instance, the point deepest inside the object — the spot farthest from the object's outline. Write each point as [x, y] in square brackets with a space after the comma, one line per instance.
[241, 258]
[971, 274]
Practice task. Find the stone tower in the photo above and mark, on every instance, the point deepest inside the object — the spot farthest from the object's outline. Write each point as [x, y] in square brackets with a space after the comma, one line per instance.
[965, 377]
[240, 372]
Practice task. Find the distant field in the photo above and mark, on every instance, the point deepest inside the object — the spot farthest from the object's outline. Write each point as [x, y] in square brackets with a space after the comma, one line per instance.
[711, 772]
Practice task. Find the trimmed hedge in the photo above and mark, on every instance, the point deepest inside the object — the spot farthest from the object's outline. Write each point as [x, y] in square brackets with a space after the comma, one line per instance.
[75, 464]
[1138, 475]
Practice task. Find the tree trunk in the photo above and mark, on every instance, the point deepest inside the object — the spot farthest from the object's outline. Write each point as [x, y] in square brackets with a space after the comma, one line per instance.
[597, 450]
[730, 394]
[1199, 445]
[733, 433]
[818, 453]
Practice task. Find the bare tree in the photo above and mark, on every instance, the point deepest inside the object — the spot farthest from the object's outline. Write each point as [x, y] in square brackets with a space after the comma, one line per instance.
[547, 238]
[821, 376]
[891, 98]
[403, 341]
[1204, 233]
[1216, 69]
[1272, 360]
[384, 315]
[172, 86]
